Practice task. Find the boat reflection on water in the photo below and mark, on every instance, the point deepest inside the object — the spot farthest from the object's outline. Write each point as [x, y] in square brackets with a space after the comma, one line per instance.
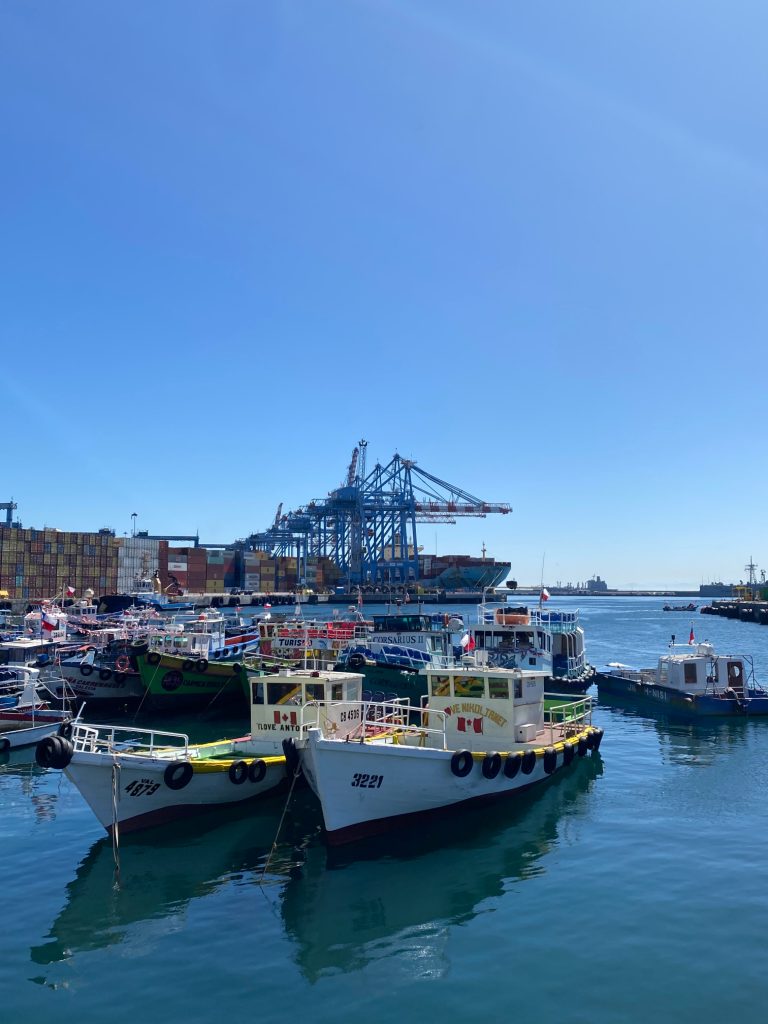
[341, 909]
[162, 870]
[682, 739]
[393, 898]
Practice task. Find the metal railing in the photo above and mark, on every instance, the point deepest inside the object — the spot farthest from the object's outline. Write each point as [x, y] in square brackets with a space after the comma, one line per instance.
[93, 739]
[569, 717]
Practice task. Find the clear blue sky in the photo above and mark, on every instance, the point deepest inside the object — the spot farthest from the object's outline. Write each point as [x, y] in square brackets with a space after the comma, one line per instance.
[524, 244]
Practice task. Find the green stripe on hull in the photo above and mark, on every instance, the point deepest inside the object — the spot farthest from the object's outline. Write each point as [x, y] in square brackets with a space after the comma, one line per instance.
[169, 681]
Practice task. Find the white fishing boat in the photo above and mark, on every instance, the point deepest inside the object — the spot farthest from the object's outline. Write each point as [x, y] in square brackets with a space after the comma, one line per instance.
[26, 716]
[535, 639]
[484, 734]
[134, 778]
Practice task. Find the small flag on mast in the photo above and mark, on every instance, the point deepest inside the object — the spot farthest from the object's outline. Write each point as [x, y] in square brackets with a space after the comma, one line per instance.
[48, 622]
[691, 638]
[70, 591]
[544, 594]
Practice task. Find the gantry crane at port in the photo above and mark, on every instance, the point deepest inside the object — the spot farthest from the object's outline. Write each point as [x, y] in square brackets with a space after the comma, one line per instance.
[367, 526]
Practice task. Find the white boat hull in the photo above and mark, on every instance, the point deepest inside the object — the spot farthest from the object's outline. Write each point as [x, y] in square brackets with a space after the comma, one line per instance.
[15, 738]
[143, 796]
[368, 788]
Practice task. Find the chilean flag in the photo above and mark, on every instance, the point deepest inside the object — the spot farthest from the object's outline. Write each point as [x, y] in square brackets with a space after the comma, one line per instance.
[48, 623]
[70, 591]
[544, 594]
[691, 638]
[468, 642]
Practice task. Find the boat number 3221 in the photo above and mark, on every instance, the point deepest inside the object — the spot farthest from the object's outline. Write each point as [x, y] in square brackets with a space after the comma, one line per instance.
[367, 781]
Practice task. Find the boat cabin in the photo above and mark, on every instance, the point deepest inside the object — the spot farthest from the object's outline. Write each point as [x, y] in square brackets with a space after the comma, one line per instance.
[512, 638]
[487, 708]
[278, 704]
[203, 637]
[699, 670]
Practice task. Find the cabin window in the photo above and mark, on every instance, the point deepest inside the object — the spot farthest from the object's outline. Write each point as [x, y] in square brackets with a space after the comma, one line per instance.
[540, 641]
[257, 691]
[314, 691]
[469, 686]
[284, 693]
[690, 673]
[440, 686]
[518, 689]
[337, 691]
[498, 688]
[480, 640]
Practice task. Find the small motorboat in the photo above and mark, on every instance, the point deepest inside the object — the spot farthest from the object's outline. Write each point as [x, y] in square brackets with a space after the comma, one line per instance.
[690, 607]
[693, 679]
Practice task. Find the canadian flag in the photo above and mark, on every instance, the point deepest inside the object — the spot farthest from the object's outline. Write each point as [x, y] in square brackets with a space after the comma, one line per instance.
[469, 724]
[283, 717]
[468, 642]
[48, 622]
[544, 594]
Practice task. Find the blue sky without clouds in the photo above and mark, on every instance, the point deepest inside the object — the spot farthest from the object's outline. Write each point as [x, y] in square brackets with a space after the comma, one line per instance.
[524, 244]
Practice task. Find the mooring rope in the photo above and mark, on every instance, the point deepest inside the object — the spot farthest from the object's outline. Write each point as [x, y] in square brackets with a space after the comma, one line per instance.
[296, 773]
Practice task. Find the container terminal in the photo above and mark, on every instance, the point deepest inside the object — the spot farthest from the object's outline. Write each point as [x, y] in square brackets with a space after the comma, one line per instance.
[361, 538]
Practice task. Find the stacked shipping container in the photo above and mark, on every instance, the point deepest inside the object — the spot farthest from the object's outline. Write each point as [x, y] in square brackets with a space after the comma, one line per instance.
[42, 563]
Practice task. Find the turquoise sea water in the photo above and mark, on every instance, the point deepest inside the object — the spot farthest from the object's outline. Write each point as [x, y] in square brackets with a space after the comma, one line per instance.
[634, 886]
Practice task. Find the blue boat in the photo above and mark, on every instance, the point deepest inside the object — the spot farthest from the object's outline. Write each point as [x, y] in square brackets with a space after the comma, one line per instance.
[691, 679]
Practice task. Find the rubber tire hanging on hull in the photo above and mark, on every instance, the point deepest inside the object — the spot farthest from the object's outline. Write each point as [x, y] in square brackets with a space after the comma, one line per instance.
[550, 760]
[491, 765]
[461, 763]
[175, 779]
[512, 765]
[529, 762]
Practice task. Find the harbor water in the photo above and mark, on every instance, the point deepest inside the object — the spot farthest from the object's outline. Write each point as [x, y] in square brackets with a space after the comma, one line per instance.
[630, 887]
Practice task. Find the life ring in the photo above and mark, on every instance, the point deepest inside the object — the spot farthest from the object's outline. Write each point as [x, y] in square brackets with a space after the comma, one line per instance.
[512, 765]
[568, 753]
[202, 665]
[153, 658]
[491, 765]
[528, 762]
[176, 776]
[85, 670]
[237, 668]
[355, 661]
[238, 772]
[582, 746]
[461, 763]
[550, 760]
[256, 771]
[123, 663]
[105, 674]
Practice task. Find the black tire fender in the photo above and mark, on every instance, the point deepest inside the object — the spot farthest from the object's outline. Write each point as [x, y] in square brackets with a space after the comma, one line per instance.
[462, 763]
[153, 658]
[257, 770]
[582, 746]
[529, 762]
[105, 674]
[86, 670]
[238, 772]
[491, 765]
[237, 668]
[178, 774]
[550, 760]
[569, 751]
[202, 665]
[512, 765]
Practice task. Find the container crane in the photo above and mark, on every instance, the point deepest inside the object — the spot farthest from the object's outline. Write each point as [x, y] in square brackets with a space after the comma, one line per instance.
[368, 526]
